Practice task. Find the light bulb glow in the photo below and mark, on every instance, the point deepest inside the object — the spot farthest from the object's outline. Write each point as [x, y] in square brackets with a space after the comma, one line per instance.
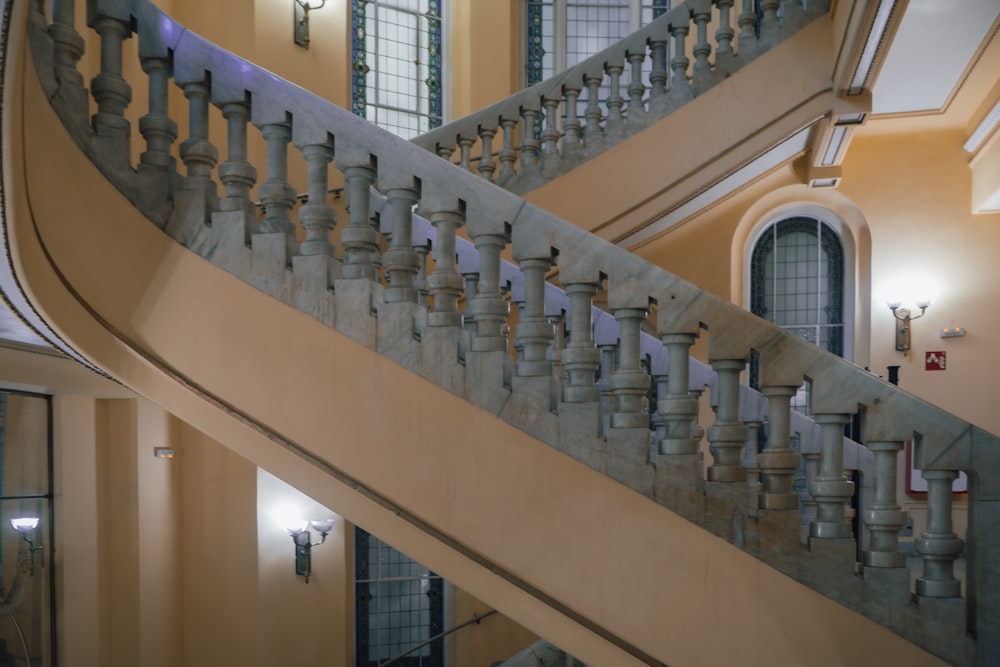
[24, 524]
[296, 527]
[324, 526]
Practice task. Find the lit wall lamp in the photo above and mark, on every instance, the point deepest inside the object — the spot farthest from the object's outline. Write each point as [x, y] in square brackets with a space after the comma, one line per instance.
[302, 10]
[26, 525]
[903, 318]
[304, 544]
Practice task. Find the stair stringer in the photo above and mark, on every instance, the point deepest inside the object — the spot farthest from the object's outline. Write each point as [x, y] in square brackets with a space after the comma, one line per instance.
[201, 343]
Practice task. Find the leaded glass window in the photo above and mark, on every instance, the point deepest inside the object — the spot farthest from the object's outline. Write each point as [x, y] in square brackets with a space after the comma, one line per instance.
[399, 606]
[797, 282]
[396, 50]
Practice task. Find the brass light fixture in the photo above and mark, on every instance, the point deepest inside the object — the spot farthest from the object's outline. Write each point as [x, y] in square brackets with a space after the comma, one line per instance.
[903, 318]
[301, 15]
[304, 544]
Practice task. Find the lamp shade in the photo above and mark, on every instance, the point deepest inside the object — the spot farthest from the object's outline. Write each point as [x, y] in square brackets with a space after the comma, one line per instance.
[24, 524]
[297, 526]
[324, 526]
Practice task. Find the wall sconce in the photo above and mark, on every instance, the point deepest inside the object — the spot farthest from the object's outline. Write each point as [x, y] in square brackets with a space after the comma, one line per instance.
[304, 544]
[903, 318]
[302, 21]
[24, 526]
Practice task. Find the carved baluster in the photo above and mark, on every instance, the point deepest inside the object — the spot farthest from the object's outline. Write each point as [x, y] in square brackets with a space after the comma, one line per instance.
[445, 152]
[680, 88]
[400, 259]
[68, 43]
[277, 195]
[489, 309]
[628, 382]
[678, 408]
[592, 132]
[572, 146]
[471, 289]
[749, 48]
[636, 90]
[360, 240]
[884, 517]
[724, 38]
[534, 332]
[658, 76]
[236, 173]
[770, 29]
[109, 89]
[938, 545]
[316, 215]
[156, 127]
[831, 488]
[445, 284]
[728, 434]
[486, 164]
[529, 143]
[508, 156]
[465, 152]
[702, 72]
[779, 461]
[614, 127]
[580, 358]
[198, 154]
[550, 135]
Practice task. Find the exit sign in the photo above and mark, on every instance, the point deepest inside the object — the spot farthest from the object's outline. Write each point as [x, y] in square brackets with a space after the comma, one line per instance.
[935, 361]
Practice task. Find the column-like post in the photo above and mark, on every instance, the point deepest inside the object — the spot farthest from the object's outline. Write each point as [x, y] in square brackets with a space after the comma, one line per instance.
[465, 152]
[486, 164]
[778, 461]
[316, 215]
[550, 135]
[198, 154]
[592, 130]
[748, 31]
[445, 284]
[580, 358]
[727, 435]
[109, 89]
[724, 38]
[884, 517]
[236, 173]
[360, 240]
[489, 309]
[420, 280]
[615, 124]
[628, 382]
[831, 488]
[534, 332]
[938, 545]
[636, 90]
[276, 193]
[678, 408]
[400, 260]
[471, 289]
[68, 42]
[770, 28]
[529, 143]
[658, 74]
[571, 137]
[445, 152]
[680, 89]
[702, 71]
[156, 127]
[508, 156]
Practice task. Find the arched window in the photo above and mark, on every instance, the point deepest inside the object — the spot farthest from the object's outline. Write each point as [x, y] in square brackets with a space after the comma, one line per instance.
[797, 282]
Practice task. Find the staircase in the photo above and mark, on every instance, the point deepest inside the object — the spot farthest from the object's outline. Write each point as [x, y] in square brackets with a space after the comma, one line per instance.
[415, 420]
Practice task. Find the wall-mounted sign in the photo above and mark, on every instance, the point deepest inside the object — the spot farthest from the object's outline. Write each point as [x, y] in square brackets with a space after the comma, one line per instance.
[935, 361]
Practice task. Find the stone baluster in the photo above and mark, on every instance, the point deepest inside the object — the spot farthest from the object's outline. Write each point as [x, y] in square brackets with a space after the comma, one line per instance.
[884, 517]
[317, 216]
[198, 154]
[749, 48]
[831, 488]
[614, 127]
[636, 91]
[68, 43]
[400, 260]
[680, 88]
[580, 358]
[110, 90]
[465, 152]
[572, 147]
[724, 38]
[727, 435]
[508, 156]
[529, 142]
[471, 289]
[445, 284]
[534, 332]
[702, 75]
[778, 462]
[678, 407]
[156, 127]
[550, 135]
[938, 545]
[360, 240]
[794, 16]
[770, 29]
[629, 383]
[236, 173]
[445, 152]
[420, 280]
[592, 130]
[658, 76]
[489, 309]
[276, 193]
[486, 164]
